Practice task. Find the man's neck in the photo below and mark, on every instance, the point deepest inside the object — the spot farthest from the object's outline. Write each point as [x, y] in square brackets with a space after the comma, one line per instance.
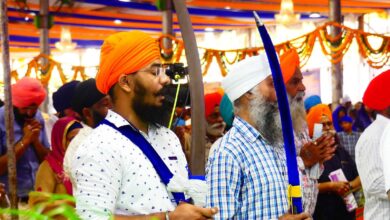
[132, 118]
[348, 132]
[211, 138]
[244, 114]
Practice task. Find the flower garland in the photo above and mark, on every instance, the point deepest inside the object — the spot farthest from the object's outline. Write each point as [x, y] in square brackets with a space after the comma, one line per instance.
[333, 47]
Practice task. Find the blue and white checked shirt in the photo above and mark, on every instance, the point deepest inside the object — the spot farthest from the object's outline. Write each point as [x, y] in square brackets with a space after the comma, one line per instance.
[247, 177]
[349, 141]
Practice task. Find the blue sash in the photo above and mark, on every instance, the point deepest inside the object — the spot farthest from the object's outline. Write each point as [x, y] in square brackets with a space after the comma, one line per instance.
[139, 140]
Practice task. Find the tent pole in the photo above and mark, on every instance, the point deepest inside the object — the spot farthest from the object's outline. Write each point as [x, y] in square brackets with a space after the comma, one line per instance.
[8, 114]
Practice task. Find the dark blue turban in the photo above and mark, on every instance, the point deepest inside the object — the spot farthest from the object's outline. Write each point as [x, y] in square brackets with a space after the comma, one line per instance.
[63, 96]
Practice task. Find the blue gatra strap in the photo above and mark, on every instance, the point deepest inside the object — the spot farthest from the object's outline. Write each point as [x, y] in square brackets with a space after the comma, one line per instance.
[139, 140]
[294, 190]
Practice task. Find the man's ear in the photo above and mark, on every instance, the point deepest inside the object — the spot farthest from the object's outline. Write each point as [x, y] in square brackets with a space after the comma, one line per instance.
[86, 113]
[125, 83]
[249, 95]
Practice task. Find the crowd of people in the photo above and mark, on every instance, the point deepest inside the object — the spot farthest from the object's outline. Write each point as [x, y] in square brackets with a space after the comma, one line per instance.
[107, 145]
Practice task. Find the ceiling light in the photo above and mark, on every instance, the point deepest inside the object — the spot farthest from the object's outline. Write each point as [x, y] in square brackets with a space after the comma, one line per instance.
[315, 15]
[125, 0]
[117, 21]
[209, 29]
[286, 15]
[228, 8]
[26, 18]
[65, 43]
[32, 14]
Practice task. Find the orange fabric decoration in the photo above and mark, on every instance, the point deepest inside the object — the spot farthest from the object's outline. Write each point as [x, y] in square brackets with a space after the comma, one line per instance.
[124, 53]
[315, 114]
[211, 101]
[289, 62]
[377, 94]
[27, 91]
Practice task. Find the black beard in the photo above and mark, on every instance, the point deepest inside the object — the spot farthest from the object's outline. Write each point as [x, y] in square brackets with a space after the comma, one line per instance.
[97, 118]
[151, 114]
[20, 118]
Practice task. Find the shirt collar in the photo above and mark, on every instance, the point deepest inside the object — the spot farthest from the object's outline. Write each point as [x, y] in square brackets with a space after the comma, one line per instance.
[116, 119]
[248, 131]
[119, 121]
[382, 118]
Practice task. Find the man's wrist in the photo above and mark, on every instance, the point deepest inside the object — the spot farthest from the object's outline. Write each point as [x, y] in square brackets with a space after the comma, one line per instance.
[23, 143]
[350, 186]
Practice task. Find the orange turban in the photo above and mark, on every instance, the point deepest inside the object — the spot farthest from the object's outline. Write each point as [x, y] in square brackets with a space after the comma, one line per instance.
[315, 114]
[211, 101]
[27, 91]
[289, 62]
[377, 94]
[124, 53]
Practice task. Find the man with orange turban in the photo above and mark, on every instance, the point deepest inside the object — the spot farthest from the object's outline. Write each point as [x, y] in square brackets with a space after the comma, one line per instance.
[371, 160]
[330, 203]
[31, 144]
[215, 126]
[130, 166]
[310, 155]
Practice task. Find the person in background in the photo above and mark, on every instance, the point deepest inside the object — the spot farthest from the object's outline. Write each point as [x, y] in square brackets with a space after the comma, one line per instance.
[337, 114]
[310, 156]
[312, 101]
[50, 175]
[62, 99]
[3, 197]
[4, 203]
[215, 126]
[226, 110]
[368, 154]
[31, 144]
[92, 107]
[61, 103]
[348, 138]
[365, 116]
[345, 101]
[330, 203]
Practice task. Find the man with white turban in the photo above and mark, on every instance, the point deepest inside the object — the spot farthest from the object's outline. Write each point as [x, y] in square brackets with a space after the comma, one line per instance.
[247, 177]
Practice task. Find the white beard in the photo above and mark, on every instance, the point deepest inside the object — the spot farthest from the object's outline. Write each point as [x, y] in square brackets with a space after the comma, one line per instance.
[298, 113]
[266, 118]
[216, 129]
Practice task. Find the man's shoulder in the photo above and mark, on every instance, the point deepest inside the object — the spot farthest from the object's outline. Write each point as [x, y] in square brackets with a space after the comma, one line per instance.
[232, 143]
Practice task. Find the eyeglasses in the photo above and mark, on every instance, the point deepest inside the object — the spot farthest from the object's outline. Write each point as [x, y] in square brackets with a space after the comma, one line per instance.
[327, 124]
[158, 70]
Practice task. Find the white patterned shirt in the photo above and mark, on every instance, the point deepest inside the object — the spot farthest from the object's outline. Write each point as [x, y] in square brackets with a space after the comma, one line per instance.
[113, 176]
[370, 168]
[84, 132]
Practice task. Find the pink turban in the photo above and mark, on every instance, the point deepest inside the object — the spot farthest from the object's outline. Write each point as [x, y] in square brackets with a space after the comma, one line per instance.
[124, 53]
[27, 91]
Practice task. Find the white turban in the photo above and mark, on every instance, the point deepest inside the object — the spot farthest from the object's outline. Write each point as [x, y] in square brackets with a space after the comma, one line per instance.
[245, 75]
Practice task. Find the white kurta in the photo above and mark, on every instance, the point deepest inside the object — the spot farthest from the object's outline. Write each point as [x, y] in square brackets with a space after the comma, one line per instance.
[370, 168]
